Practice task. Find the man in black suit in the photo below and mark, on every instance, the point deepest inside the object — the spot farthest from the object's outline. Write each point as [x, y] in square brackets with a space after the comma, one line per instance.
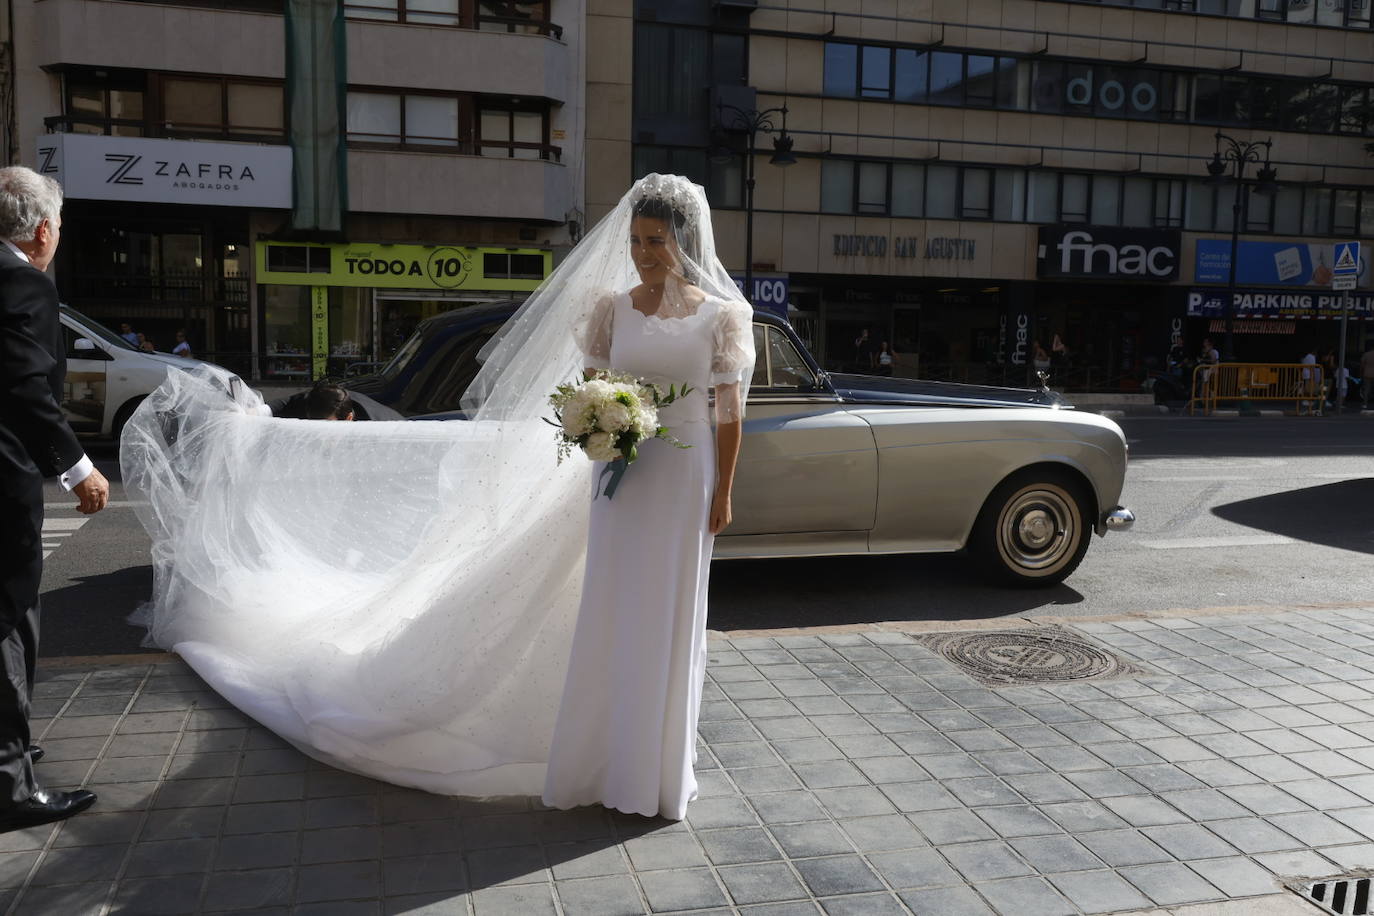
[35, 442]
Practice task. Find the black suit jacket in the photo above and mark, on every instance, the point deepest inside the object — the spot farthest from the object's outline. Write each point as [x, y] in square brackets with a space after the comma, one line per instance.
[34, 434]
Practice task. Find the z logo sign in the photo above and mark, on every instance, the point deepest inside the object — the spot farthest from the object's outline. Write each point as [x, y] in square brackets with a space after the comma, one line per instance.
[46, 166]
[121, 173]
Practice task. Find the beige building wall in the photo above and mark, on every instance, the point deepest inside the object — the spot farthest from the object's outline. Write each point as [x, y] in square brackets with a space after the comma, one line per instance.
[609, 50]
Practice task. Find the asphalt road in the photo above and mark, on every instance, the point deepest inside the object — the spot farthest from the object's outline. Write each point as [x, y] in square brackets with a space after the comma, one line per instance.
[1231, 512]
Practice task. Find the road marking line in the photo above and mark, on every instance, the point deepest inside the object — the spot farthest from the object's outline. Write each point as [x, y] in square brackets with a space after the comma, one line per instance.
[1241, 478]
[53, 544]
[57, 534]
[112, 504]
[63, 524]
[1240, 540]
[46, 554]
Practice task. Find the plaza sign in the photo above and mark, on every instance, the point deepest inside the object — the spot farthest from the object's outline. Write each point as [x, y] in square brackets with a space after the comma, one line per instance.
[140, 170]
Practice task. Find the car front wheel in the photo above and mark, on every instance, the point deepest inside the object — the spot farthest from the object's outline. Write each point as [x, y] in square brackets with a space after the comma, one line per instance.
[1033, 531]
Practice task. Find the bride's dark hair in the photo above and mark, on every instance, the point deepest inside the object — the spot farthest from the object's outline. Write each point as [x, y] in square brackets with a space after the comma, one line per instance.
[683, 230]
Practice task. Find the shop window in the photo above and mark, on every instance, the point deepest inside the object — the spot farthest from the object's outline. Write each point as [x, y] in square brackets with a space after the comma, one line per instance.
[513, 133]
[911, 82]
[872, 197]
[1010, 198]
[841, 74]
[1106, 200]
[908, 190]
[875, 74]
[1073, 198]
[300, 259]
[837, 186]
[976, 194]
[942, 190]
[508, 266]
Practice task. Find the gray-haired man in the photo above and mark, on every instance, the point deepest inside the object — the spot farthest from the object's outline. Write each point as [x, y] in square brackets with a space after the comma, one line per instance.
[35, 442]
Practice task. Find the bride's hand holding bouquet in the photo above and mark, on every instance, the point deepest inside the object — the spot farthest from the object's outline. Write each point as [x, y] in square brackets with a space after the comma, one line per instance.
[607, 415]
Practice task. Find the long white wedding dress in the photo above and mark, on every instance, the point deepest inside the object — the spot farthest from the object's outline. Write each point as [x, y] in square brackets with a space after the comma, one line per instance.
[626, 731]
[399, 599]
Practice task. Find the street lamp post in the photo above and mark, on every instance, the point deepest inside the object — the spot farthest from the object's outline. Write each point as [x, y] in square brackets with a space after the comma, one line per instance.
[1233, 155]
[751, 122]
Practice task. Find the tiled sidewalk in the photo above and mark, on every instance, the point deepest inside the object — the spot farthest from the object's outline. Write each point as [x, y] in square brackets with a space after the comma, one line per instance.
[846, 773]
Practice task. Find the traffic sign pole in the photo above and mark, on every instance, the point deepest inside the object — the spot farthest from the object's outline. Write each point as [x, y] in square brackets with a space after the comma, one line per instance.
[1344, 275]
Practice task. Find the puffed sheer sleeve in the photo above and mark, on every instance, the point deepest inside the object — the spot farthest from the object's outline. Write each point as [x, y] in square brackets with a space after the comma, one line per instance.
[732, 362]
[593, 332]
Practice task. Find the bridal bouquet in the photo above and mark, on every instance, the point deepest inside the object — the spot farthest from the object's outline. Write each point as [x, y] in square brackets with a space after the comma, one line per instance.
[607, 416]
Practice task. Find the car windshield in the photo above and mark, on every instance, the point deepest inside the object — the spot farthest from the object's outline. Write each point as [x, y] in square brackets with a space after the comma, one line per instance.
[97, 329]
[403, 356]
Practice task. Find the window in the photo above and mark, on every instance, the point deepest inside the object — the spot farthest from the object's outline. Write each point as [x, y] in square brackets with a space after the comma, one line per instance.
[1345, 210]
[786, 368]
[942, 189]
[1073, 198]
[980, 82]
[1288, 210]
[872, 187]
[946, 78]
[908, 189]
[217, 107]
[672, 70]
[1201, 206]
[503, 266]
[299, 259]
[841, 76]
[875, 76]
[1044, 197]
[912, 80]
[1138, 202]
[374, 118]
[512, 133]
[1316, 211]
[1259, 212]
[977, 194]
[1106, 200]
[1170, 196]
[837, 186]
[527, 16]
[1010, 199]
[431, 120]
[105, 103]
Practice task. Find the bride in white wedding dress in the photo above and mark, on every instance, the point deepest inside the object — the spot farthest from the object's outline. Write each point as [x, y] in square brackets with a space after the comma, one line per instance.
[408, 601]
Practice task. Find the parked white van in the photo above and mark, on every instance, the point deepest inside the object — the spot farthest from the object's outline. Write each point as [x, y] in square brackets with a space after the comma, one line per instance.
[107, 376]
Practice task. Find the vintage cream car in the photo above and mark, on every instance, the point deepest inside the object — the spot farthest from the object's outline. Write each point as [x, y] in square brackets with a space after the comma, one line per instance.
[847, 464]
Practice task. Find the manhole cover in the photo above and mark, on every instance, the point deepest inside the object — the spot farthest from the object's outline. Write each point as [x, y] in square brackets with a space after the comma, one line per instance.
[1344, 895]
[1035, 656]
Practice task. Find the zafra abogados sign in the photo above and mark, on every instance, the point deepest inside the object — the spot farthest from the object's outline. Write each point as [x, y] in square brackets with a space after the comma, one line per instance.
[1108, 253]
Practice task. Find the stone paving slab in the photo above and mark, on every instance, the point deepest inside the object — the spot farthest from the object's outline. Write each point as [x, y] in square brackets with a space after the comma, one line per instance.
[841, 773]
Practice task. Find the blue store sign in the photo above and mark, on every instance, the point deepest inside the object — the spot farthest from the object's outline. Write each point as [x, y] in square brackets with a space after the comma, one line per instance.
[770, 292]
[1269, 263]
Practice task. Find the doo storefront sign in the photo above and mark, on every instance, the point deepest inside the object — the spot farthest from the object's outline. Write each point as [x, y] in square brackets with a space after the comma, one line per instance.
[138, 170]
[403, 266]
[1270, 263]
[770, 292]
[1277, 304]
[1109, 253]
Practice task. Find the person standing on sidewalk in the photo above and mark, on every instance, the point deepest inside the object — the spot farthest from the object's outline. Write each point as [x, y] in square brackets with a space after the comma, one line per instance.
[35, 442]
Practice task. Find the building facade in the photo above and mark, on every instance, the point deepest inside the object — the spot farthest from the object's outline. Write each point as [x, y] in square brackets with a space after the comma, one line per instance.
[169, 126]
[993, 186]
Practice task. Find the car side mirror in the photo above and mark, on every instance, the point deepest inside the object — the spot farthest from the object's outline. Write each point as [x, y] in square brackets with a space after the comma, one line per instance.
[83, 343]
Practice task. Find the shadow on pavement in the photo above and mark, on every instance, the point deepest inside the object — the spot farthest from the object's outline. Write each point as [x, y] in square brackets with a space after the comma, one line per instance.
[830, 591]
[1333, 514]
[71, 627]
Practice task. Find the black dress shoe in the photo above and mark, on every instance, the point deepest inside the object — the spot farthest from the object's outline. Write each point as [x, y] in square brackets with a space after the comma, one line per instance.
[35, 753]
[44, 807]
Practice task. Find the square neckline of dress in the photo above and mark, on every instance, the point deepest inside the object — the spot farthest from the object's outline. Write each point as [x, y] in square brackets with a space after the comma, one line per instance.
[707, 297]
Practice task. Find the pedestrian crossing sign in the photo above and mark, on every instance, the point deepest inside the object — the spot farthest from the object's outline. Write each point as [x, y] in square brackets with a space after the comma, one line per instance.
[1347, 259]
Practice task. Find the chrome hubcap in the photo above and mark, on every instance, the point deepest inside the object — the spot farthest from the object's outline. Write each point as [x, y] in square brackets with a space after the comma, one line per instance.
[1039, 528]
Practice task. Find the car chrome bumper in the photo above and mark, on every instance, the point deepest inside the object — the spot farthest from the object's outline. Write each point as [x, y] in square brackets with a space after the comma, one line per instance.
[1119, 519]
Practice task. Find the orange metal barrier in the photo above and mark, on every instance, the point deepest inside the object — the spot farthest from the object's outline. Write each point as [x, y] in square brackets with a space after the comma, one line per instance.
[1300, 383]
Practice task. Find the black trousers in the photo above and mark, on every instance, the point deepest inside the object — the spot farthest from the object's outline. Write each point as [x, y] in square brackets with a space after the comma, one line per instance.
[21, 552]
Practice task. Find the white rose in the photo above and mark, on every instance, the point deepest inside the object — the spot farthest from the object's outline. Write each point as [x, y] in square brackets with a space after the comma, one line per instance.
[601, 447]
[577, 424]
[646, 422]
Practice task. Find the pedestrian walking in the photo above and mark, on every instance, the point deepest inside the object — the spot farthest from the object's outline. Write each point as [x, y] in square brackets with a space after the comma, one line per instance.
[35, 442]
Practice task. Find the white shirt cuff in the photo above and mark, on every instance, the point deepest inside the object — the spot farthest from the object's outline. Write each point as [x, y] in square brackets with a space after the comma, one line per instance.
[77, 473]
